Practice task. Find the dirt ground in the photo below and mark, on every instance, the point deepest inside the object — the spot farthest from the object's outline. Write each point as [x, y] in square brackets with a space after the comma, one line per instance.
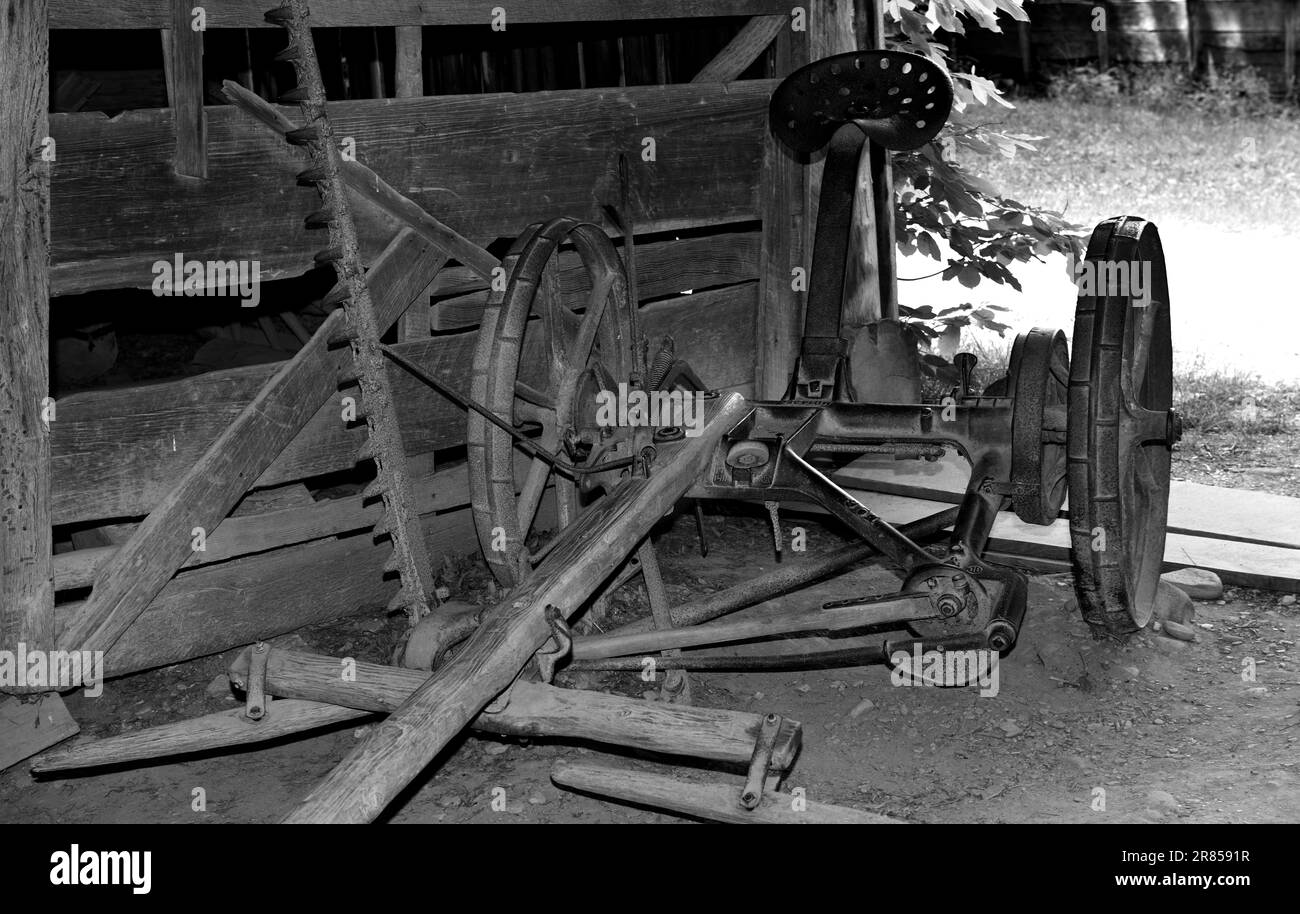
[1080, 730]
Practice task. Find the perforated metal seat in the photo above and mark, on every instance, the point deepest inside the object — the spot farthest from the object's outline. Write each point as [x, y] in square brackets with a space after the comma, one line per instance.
[900, 100]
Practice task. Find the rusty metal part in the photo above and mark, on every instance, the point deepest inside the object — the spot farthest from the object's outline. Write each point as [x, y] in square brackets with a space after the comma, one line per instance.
[1121, 427]
[410, 557]
[562, 638]
[1038, 377]
[662, 361]
[255, 686]
[774, 515]
[761, 761]
[896, 99]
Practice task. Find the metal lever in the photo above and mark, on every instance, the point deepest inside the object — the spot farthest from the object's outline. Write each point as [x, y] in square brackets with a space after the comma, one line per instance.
[760, 762]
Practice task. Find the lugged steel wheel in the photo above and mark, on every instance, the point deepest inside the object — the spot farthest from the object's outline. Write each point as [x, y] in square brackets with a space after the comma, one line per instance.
[539, 362]
[1121, 426]
[1038, 376]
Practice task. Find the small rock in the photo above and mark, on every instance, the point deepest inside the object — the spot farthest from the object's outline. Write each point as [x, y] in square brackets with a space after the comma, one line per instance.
[1128, 673]
[862, 707]
[1010, 728]
[1181, 632]
[803, 687]
[219, 686]
[1287, 599]
[537, 799]
[1197, 583]
[1172, 604]
[450, 801]
[1161, 802]
[495, 748]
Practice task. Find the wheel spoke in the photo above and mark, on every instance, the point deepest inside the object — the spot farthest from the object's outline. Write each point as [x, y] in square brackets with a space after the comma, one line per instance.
[534, 397]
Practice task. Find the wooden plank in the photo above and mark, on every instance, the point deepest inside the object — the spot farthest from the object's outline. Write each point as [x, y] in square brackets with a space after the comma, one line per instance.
[393, 754]
[230, 14]
[664, 267]
[26, 545]
[118, 207]
[128, 582]
[1246, 564]
[245, 535]
[29, 727]
[783, 209]
[751, 41]
[185, 92]
[409, 64]
[716, 802]
[117, 453]
[1194, 509]
[216, 607]
[221, 730]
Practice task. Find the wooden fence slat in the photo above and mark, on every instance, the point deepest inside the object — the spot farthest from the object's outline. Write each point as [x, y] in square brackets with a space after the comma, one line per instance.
[752, 40]
[118, 207]
[185, 88]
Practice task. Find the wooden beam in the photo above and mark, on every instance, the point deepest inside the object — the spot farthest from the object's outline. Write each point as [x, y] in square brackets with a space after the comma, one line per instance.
[119, 207]
[117, 453]
[783, 209]
[135, 574]
[536, 710]
[185, 92]
[716, 802]
[590, 551]
[143, 14]
[26, 546]
[751, 41]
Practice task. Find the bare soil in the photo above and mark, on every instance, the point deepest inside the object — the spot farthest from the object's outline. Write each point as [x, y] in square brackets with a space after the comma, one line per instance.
[1161, 730]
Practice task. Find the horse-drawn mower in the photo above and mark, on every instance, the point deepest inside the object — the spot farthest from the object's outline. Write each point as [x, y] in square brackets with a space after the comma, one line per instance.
[1096, 425]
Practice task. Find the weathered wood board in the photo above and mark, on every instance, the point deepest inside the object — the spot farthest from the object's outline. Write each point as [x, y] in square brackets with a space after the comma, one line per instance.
[118, 207]
[29, 727]
[117, 453]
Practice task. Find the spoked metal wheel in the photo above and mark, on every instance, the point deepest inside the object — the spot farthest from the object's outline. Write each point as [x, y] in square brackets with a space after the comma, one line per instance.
[547, 345]
[1121, 426]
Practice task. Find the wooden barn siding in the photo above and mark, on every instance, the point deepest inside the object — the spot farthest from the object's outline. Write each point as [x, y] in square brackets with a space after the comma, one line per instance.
[486, 165]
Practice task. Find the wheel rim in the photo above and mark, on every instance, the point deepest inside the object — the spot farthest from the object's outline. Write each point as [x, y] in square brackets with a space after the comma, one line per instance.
[1038, 378]
[535, 358]
[1121, 429]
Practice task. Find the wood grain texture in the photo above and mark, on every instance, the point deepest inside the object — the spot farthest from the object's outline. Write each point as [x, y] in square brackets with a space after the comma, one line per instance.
[117, 453]
[396, 751]
[185, 92]
[29, 727]
[144, 14]
[26, 592]
[201, 734]
[127, 583]
[118, 207]
[752, 40]
[535, 709]
[663, 268]
[783, 209]
[715, 802]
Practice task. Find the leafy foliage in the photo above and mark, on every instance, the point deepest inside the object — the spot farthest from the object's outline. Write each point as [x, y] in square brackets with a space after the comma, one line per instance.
[939, 199]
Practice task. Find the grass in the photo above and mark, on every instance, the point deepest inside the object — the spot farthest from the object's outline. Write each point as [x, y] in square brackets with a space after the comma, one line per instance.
[1104, 158]
[1213, 400]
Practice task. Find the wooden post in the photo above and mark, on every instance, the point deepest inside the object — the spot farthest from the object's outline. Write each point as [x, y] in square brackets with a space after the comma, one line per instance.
[1193, 37]
[409, 67]
[882, 182]
[1291, 37]
[781, 206]
[186, 57]
[26, 548]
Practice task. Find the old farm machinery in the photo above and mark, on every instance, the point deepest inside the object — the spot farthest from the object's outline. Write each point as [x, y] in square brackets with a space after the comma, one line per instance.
[1097, 426]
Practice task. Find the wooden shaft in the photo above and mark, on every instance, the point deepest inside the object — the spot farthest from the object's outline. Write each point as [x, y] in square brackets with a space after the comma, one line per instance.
[902, 608]
[26, 547]
[534, 709]
[399, 749]
[717, 802]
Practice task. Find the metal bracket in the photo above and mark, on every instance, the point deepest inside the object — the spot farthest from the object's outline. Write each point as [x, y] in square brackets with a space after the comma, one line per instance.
[760, 762]
[561, 637]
